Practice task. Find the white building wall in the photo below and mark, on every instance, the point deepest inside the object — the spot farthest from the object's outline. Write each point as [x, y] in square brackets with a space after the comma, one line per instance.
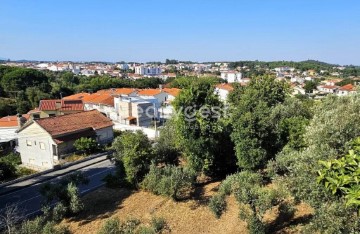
[38, 155]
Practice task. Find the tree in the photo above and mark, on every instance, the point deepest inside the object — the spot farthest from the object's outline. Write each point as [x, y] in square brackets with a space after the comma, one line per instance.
[22, 78]
[135, 152]
[201, 128]
[10, 216]
[22, 103]
[328, 137]
[166, 150]
[310, 86]
[87, 145]
[253, 133]
[342, 176]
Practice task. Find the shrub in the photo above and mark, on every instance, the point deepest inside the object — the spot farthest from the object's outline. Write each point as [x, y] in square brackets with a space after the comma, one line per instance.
[255, 225]
[146, 230]
[158, 224]
[217, 205]
[170, 181]
[40, 226]
[115, 226]
[88, 145]
[59, 211]
[65, 192]
[111, 226]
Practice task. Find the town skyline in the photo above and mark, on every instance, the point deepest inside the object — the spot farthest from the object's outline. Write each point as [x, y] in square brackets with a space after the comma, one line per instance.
[197, 31]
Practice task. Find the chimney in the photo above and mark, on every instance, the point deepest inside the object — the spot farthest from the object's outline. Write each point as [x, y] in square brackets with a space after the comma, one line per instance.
[18, 117]
[160, 87]
[58, 104]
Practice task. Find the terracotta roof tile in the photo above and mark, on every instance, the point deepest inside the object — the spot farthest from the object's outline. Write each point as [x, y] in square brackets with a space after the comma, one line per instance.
[77, 96]
[62, 105]
[149, 92]
[225, 86]
[172, 91]
[71, 123]
[348, 87]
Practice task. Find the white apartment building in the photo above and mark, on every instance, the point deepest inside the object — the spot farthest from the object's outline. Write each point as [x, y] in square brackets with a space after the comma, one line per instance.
[231, 76]
[147, 70]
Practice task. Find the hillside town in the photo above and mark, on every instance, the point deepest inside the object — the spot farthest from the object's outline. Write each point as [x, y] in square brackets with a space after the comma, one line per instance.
[184, 117]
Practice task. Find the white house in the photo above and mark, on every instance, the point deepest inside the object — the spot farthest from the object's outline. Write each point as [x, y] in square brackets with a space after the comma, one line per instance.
[231, 76]
[159, 94]
[328, 88]
[43, 142]
[346, 90]
[223, 91]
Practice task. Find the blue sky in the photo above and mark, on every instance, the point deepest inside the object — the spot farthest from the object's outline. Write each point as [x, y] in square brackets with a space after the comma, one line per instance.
[153, 30]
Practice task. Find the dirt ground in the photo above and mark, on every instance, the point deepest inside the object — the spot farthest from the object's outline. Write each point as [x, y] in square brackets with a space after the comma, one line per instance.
[190, 216]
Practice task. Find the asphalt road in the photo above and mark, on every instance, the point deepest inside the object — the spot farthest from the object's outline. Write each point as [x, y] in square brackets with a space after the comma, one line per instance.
[29, 200]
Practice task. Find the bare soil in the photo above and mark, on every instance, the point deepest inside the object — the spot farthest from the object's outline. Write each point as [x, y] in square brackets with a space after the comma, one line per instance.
[189, 216]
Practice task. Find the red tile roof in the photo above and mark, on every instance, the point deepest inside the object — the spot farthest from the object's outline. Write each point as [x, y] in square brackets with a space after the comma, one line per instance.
[172, 91]
[72, 123]
[348, 87]
[100, 98]
[77, 96]
[62, 105]
[149, 92]
[225, 86]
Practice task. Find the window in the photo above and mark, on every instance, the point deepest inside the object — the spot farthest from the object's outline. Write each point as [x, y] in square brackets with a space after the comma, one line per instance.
[28, 143]
[54, 149]
[51, 115]
[36, 116]
[42, 145]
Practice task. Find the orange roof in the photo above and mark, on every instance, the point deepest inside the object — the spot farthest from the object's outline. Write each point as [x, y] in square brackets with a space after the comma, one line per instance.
[348, 87]
[71, 123]
[77, 96]
[11, 121]
[118, 91]
[172, 91]
[225, 86]
[100, 98]
[149, 92]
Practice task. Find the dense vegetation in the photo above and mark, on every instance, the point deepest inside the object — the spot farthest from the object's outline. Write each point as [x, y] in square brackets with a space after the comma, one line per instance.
[21, 89]
[287, 150]
[256, 68]
[10, 168]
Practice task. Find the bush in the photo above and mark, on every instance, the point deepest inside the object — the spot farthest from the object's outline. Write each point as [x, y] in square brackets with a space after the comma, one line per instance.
[217, 205]
[158, 224]
[111, 226]
[59, 212]
[40, 226]
[170, 181]
[115, 226]
[65, 192]
[87, 145]
[255, 225]
[146, 230]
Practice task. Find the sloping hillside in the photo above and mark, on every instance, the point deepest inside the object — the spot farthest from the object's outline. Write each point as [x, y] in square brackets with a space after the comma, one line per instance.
[190, 216]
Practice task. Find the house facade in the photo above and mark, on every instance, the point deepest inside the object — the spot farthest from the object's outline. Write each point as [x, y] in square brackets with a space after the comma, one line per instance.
[43, 142]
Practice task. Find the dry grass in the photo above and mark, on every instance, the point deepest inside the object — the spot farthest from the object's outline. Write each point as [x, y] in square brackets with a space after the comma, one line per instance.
[190, 216]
